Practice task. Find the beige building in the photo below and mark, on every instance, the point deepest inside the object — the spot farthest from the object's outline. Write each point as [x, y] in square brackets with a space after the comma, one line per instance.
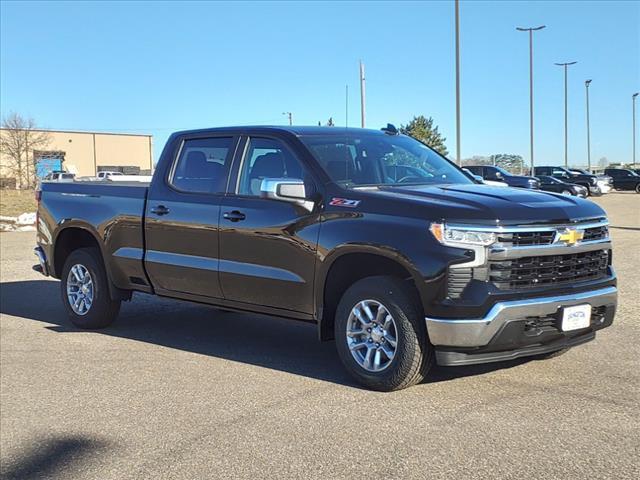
[86, 153]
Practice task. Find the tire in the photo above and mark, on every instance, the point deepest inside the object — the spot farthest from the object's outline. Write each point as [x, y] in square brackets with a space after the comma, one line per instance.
[637, 188]
[413, 354]
[102, 310]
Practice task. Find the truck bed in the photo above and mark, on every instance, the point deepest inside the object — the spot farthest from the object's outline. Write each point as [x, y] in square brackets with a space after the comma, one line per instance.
[112, 212]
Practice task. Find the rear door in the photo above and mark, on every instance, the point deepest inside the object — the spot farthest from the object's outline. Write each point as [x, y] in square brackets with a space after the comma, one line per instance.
[182, 216]
[268, 247]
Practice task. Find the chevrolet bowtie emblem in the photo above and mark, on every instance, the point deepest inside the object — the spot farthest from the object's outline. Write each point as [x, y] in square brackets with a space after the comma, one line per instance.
[571, 236]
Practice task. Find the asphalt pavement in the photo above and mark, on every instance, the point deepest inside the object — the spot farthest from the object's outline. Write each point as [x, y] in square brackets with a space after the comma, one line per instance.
[181, 391]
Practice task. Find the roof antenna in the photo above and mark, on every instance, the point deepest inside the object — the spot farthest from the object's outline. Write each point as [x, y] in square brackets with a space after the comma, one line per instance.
[390, 129]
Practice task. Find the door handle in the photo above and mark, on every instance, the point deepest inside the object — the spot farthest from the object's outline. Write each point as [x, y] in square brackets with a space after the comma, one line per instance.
[160, 210]
[234, 216]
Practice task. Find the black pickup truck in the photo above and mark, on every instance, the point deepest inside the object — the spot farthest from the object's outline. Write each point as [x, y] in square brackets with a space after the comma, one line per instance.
[385, 245]
[624, 179]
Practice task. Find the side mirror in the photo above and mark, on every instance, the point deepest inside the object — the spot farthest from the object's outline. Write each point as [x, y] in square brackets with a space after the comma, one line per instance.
[289, 190]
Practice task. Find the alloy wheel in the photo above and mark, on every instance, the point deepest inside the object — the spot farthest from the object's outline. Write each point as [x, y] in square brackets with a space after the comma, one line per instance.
[80, 291]
[372, 335]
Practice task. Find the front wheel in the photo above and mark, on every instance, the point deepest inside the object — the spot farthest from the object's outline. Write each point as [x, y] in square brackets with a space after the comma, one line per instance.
[381, 336]
[85, 290]
[638, 188]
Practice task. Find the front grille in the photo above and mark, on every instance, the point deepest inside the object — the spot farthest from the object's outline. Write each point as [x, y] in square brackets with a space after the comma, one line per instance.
[533, 272]
[535, 238]
[525, 239]
[457, 280]
[596, 233]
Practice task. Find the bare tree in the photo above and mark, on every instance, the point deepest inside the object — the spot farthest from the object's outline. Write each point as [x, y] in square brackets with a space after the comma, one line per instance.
[18, 140]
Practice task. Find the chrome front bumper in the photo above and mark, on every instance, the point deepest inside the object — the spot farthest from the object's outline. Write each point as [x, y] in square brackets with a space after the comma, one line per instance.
[478, 332]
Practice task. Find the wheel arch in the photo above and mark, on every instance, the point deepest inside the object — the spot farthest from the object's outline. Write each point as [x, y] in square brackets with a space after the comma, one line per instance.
[348, 264]
[73, 237]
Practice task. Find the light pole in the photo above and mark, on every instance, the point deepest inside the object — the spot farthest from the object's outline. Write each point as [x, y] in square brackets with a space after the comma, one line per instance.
[633, 102]
[290, 115]
[586, 86]
[457, 15]
[566, 149]
[363, 113]
[530, 30]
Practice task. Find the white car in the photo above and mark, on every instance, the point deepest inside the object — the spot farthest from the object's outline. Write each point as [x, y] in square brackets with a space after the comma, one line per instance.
[104, 175]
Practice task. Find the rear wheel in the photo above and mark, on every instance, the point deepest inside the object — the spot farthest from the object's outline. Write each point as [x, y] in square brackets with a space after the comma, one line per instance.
[380, 335]
[85, 290]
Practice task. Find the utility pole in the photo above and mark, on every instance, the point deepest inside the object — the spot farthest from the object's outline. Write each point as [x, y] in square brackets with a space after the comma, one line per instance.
[290, 115]
[566, 120]
[457, 15]
[586, 85]
[633, 102]
[346, 106]
[363, 113]
[530, 30]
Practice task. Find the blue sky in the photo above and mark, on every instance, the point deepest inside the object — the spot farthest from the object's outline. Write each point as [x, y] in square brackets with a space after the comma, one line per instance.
[158, 67]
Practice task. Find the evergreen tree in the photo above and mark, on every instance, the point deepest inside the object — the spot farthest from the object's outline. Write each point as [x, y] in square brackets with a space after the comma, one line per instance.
[422, 129]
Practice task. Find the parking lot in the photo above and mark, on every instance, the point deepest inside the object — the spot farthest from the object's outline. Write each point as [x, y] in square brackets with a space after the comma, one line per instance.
[174, 390]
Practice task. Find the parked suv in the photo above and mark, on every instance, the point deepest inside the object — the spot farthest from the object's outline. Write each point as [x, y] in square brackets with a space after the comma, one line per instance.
[587, 180]
[497, 174]
[624, 179]
[403, 267]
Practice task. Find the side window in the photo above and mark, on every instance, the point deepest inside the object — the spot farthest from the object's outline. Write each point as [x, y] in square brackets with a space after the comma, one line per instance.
[267, 158]
[203, 165]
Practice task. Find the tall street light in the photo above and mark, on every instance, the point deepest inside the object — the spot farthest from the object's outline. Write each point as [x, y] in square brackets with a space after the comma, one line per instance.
[633, 101]
[457, 15]
[566, 149]
[530, 30]
[586, 86]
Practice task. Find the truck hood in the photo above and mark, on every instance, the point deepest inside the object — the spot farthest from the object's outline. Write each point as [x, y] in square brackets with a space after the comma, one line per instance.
[489, 205]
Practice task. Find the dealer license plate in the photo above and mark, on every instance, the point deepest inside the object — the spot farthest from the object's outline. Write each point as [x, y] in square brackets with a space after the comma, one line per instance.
[575, 318]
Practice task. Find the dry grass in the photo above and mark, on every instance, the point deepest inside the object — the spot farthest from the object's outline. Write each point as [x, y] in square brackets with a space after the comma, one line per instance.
[17, 202]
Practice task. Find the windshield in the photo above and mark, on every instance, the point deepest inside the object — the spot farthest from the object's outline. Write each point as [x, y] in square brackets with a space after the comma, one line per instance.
[504, 172]
[367, 159]
[550, 180]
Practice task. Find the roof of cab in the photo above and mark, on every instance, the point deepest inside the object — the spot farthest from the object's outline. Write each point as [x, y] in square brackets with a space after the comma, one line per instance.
[295, 130]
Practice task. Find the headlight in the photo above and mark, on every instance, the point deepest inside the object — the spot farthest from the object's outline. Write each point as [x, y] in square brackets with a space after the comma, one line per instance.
[593, 180]
[456, 236]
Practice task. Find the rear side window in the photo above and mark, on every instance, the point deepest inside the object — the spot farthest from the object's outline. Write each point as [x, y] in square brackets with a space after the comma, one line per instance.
[203, 165]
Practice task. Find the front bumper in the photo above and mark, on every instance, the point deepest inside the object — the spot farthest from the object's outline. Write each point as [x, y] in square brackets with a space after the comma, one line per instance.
[604, 187]
[479, 332]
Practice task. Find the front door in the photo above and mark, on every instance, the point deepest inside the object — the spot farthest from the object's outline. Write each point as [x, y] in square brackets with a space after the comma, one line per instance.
[182, 216]
[268, 247]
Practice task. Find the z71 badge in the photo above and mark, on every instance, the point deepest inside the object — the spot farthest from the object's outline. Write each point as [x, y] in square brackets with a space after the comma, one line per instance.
[344, 202]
